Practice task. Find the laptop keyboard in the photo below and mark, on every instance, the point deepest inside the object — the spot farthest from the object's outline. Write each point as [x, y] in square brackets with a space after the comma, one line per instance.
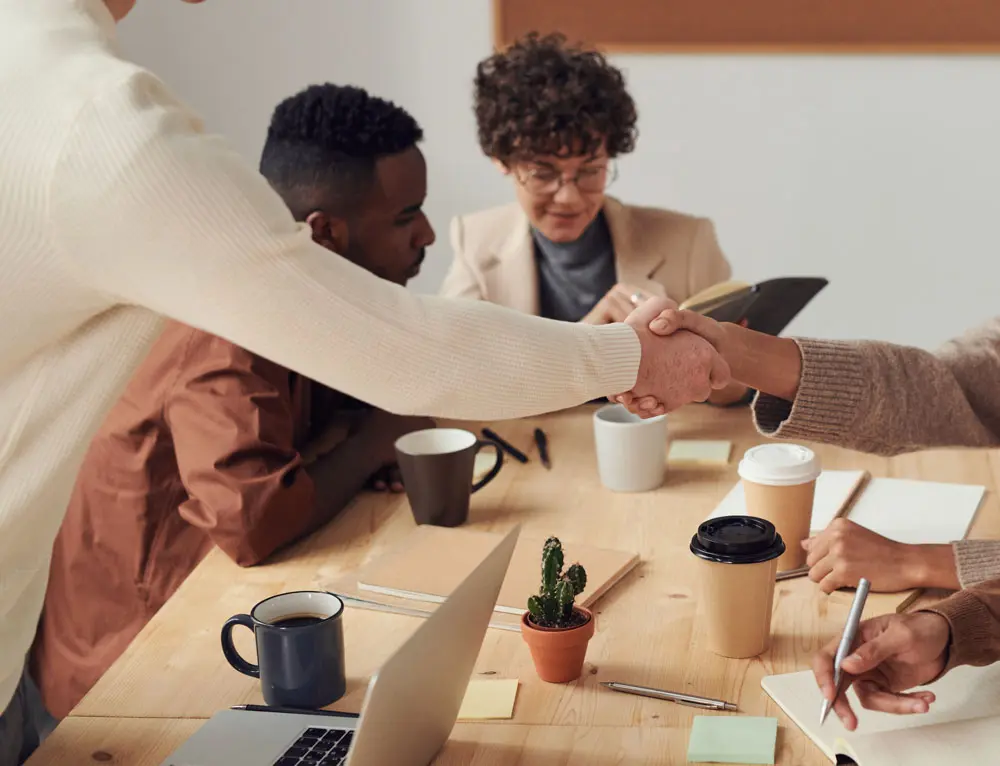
[318, 747]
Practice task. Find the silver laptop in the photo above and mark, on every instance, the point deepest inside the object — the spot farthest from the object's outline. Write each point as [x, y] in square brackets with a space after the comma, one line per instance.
[410, 707]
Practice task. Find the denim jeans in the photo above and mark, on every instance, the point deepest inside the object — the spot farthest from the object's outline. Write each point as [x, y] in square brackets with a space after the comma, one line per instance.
[24, 724]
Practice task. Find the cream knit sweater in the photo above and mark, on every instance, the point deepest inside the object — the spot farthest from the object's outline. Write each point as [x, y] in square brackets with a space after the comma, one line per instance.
[115, 209]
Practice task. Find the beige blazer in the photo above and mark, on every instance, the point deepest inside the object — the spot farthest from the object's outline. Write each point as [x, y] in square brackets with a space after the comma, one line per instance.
[657, 251]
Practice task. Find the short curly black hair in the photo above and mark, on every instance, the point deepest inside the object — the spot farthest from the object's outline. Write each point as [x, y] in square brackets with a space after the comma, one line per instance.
[323, 143]
[542, 96]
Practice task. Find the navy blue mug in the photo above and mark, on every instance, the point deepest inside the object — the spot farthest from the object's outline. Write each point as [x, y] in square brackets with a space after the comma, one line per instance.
[300, 648]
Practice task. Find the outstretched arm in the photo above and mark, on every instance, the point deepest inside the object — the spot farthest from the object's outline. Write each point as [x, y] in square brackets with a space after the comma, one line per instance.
[214, 247]
[869, 396]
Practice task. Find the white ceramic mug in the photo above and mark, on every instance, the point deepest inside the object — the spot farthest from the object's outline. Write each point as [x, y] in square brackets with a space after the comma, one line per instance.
[631, 451]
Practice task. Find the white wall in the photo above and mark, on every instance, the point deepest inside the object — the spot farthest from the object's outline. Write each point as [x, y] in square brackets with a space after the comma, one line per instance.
[880, 173]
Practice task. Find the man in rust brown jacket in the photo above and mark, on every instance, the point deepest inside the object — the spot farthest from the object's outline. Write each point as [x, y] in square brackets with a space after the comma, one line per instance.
[212, 445]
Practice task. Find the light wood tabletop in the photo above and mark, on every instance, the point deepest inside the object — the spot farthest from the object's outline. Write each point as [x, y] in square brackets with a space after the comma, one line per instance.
[80, 741]
[648, 631]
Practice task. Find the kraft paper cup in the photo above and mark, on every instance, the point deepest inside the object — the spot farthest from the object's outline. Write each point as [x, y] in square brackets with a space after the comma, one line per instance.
[779, 485]
[737, 557]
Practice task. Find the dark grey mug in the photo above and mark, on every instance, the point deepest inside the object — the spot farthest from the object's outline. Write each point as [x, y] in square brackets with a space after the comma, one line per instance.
[300, 648]
[437, 465]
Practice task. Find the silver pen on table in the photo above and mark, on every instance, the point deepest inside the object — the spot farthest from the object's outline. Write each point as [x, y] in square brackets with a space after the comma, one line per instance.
[706, 703]
[789, 574]
[846, 642]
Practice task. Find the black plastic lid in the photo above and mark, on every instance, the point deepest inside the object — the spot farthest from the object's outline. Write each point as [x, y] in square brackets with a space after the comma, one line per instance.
[737, 540]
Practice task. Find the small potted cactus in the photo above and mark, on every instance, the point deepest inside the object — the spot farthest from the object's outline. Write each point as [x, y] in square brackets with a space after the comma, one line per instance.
[557, 631]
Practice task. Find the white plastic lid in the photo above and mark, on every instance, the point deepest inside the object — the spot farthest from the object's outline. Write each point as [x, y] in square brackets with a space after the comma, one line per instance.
[779, 465]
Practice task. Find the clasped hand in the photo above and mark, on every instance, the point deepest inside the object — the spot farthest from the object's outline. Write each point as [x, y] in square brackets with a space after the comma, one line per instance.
[677, 367]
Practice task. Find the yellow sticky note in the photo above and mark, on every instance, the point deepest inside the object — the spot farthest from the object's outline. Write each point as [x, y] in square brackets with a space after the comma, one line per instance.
[489, 698]
[700, 452]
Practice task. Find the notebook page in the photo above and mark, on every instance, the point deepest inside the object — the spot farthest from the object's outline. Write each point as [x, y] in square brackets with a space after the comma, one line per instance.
[966, 694]
[973, 741]
[917, 511]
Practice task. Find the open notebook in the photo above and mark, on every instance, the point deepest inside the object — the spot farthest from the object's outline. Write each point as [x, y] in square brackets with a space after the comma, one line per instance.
[432, 561]
[963, 725]
[834, 491]
[904, 510]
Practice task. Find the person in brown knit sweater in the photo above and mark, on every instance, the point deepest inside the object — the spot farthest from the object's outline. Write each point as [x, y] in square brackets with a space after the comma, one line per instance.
[873, 397]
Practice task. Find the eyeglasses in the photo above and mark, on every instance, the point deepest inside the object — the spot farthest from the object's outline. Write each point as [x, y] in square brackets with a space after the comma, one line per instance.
[542, 182]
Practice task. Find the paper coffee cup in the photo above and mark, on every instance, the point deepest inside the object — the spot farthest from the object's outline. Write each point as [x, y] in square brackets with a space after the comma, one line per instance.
[738, 559]
[779, 484]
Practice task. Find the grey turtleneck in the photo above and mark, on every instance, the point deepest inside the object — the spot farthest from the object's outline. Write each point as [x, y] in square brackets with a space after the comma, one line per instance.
[574, 276]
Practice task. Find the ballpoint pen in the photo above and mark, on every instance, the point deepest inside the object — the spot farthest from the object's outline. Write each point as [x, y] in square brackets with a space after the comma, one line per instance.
[543, 447]
[788, 574]
[705, 703]
[846, 642]
[506, 446]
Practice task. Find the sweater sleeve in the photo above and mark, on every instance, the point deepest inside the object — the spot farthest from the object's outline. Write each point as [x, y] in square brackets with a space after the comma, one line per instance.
[976, 561]
[150, 211]
[974, 618]
[887, 399]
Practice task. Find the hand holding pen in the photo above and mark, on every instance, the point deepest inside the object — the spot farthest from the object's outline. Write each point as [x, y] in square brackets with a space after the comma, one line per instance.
[892, 653]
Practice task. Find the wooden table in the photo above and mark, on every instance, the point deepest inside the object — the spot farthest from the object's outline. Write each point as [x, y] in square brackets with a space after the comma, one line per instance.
[148, 741]
[648, 627]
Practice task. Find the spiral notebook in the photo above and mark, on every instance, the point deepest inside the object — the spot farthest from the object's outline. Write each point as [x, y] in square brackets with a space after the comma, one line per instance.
[963, 725]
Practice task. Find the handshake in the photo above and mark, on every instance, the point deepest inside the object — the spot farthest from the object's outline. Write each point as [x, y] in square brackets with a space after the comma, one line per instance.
[681, 359]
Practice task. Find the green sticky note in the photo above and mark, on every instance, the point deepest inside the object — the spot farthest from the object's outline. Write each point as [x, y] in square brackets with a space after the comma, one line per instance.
[702, 452]
[733, 739]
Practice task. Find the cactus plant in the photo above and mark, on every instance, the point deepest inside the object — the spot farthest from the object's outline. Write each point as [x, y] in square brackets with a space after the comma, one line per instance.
[553, 606]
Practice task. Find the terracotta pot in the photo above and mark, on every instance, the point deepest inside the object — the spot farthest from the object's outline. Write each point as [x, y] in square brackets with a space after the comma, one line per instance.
[559, 654]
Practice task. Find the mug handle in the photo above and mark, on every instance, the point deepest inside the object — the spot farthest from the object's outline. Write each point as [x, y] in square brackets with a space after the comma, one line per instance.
[229, 649]
[496, 465]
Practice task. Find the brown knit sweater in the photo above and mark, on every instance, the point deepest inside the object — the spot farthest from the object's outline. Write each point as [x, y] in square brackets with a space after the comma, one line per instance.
[886, 399]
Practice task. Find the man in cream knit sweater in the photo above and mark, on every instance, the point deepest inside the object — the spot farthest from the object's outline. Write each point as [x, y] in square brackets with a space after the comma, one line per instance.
[116, 209]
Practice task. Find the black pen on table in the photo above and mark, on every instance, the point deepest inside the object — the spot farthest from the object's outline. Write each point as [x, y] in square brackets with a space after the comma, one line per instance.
[506, 446]
[543, 447]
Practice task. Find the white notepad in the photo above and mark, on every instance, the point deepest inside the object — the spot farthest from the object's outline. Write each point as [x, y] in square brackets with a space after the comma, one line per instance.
[963, 725]
[917, 512]
[904, 510]
[834, 490]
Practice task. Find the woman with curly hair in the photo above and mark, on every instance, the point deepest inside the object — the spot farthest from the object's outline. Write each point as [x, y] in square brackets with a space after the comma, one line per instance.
[554, 118]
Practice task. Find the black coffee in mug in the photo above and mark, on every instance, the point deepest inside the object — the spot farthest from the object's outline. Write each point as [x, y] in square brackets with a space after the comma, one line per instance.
[298, 620]
[300, 648]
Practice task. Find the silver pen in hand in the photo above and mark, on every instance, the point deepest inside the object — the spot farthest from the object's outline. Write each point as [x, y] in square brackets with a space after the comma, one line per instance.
[846, 643]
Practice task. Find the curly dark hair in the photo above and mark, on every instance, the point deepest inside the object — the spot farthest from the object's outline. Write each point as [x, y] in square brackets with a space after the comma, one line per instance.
[323, 143]
[542, 96]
